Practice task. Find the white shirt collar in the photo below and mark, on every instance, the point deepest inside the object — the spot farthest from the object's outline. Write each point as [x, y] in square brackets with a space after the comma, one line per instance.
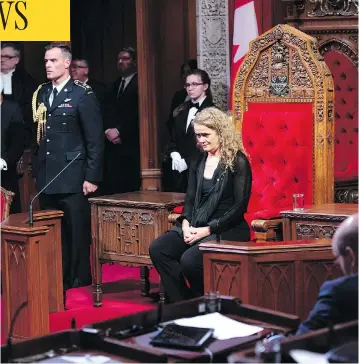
[128, 78]
[200, 100]
[9, 74]
[61, 85]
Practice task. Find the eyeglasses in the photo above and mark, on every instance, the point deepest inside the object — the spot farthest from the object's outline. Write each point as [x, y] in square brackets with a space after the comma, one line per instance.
[193, 84]
[124, 58]
[7, 57]
[77, 66]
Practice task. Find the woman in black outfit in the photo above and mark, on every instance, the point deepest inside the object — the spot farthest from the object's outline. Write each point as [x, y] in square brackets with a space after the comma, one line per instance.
[218, 192]
[182, 147]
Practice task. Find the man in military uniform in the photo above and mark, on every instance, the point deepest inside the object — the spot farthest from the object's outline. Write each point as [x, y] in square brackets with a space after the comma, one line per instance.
[69, 128]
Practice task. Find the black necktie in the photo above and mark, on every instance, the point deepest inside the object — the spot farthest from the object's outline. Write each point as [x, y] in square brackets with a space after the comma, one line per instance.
[54, 94]
[121, 88]
[196, 105]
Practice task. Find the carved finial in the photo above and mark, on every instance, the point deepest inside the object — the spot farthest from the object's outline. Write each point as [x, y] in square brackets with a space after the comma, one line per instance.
[278, 33]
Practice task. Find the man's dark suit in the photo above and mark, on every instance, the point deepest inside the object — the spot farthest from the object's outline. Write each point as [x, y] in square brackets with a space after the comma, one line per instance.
[184, 141]
[73, 126]
[13, 138]
[337, 302]
[122, 161]
[23, 86]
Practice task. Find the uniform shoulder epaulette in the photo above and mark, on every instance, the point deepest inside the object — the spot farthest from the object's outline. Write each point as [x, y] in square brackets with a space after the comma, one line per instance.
[84, 85]
[39, 113]
[41, 85]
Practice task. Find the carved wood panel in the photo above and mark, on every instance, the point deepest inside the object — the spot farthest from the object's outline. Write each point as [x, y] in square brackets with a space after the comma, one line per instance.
[287, 281]
[314, 274]
[122, 229]
[275, 282]
[16, 255]
[314, 231]
[226, 277]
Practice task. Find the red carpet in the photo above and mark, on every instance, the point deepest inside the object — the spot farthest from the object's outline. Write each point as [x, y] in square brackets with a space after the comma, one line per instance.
[121, 296]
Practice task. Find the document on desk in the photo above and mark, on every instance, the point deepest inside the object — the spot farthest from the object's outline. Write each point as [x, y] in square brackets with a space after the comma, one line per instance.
[308, 357]
[224, 327]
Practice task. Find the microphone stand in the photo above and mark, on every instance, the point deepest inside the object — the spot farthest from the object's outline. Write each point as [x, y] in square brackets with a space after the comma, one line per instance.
[31, 214]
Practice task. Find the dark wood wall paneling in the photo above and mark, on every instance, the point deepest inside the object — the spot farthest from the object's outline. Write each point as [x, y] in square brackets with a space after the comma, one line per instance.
[101, 27]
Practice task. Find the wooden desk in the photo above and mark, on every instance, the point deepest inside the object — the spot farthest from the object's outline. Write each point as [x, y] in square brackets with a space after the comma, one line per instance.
[97, 339]
[319, 341]
[31, 271]
[269, 320]
[315, 222]
[123, 226]
[283, 276]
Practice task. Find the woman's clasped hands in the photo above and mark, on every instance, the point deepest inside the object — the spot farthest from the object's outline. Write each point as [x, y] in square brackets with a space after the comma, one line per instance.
[192, 234]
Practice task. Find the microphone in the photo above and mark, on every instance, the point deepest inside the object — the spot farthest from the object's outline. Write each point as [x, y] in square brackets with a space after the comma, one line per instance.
[31, 214]
[12, 324]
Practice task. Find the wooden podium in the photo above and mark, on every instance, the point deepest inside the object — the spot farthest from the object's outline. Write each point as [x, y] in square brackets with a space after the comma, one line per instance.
[282, 276]
[31, 271]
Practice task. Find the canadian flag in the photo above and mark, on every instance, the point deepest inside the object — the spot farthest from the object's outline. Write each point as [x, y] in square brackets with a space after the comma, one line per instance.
[245, 29]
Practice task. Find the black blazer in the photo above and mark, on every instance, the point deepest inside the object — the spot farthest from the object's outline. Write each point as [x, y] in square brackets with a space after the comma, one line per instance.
[182, 141]
[99, 90]
[223, 209]
[74, 125]
[337, 302]
[122, 113]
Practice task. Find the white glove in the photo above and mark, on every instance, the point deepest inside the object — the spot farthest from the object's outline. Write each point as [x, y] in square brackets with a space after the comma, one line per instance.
[3, 165]
[178, 163]
[176, 157]
[182, 166]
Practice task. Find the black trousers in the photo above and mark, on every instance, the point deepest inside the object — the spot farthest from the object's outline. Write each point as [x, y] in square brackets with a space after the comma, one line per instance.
[76, 235]
[175, 261]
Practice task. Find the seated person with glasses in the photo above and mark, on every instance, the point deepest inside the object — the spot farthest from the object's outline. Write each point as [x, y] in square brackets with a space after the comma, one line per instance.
[338, 299]
[220, 182]
[183, 145]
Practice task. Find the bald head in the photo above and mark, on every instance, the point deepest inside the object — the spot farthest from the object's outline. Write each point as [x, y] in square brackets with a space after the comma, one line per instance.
[345, 244]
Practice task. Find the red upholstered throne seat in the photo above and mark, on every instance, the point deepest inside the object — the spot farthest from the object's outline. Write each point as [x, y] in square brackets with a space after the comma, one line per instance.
[276, 141]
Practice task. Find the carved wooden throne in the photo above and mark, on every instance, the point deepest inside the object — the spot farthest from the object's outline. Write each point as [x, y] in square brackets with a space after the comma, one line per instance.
[283, 106]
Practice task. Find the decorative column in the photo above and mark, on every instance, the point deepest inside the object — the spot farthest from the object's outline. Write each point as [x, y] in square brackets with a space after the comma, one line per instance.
[147, 86]
[213, 47]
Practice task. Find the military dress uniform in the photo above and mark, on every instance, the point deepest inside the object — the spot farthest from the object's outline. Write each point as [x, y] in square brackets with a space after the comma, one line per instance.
[71, 125]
